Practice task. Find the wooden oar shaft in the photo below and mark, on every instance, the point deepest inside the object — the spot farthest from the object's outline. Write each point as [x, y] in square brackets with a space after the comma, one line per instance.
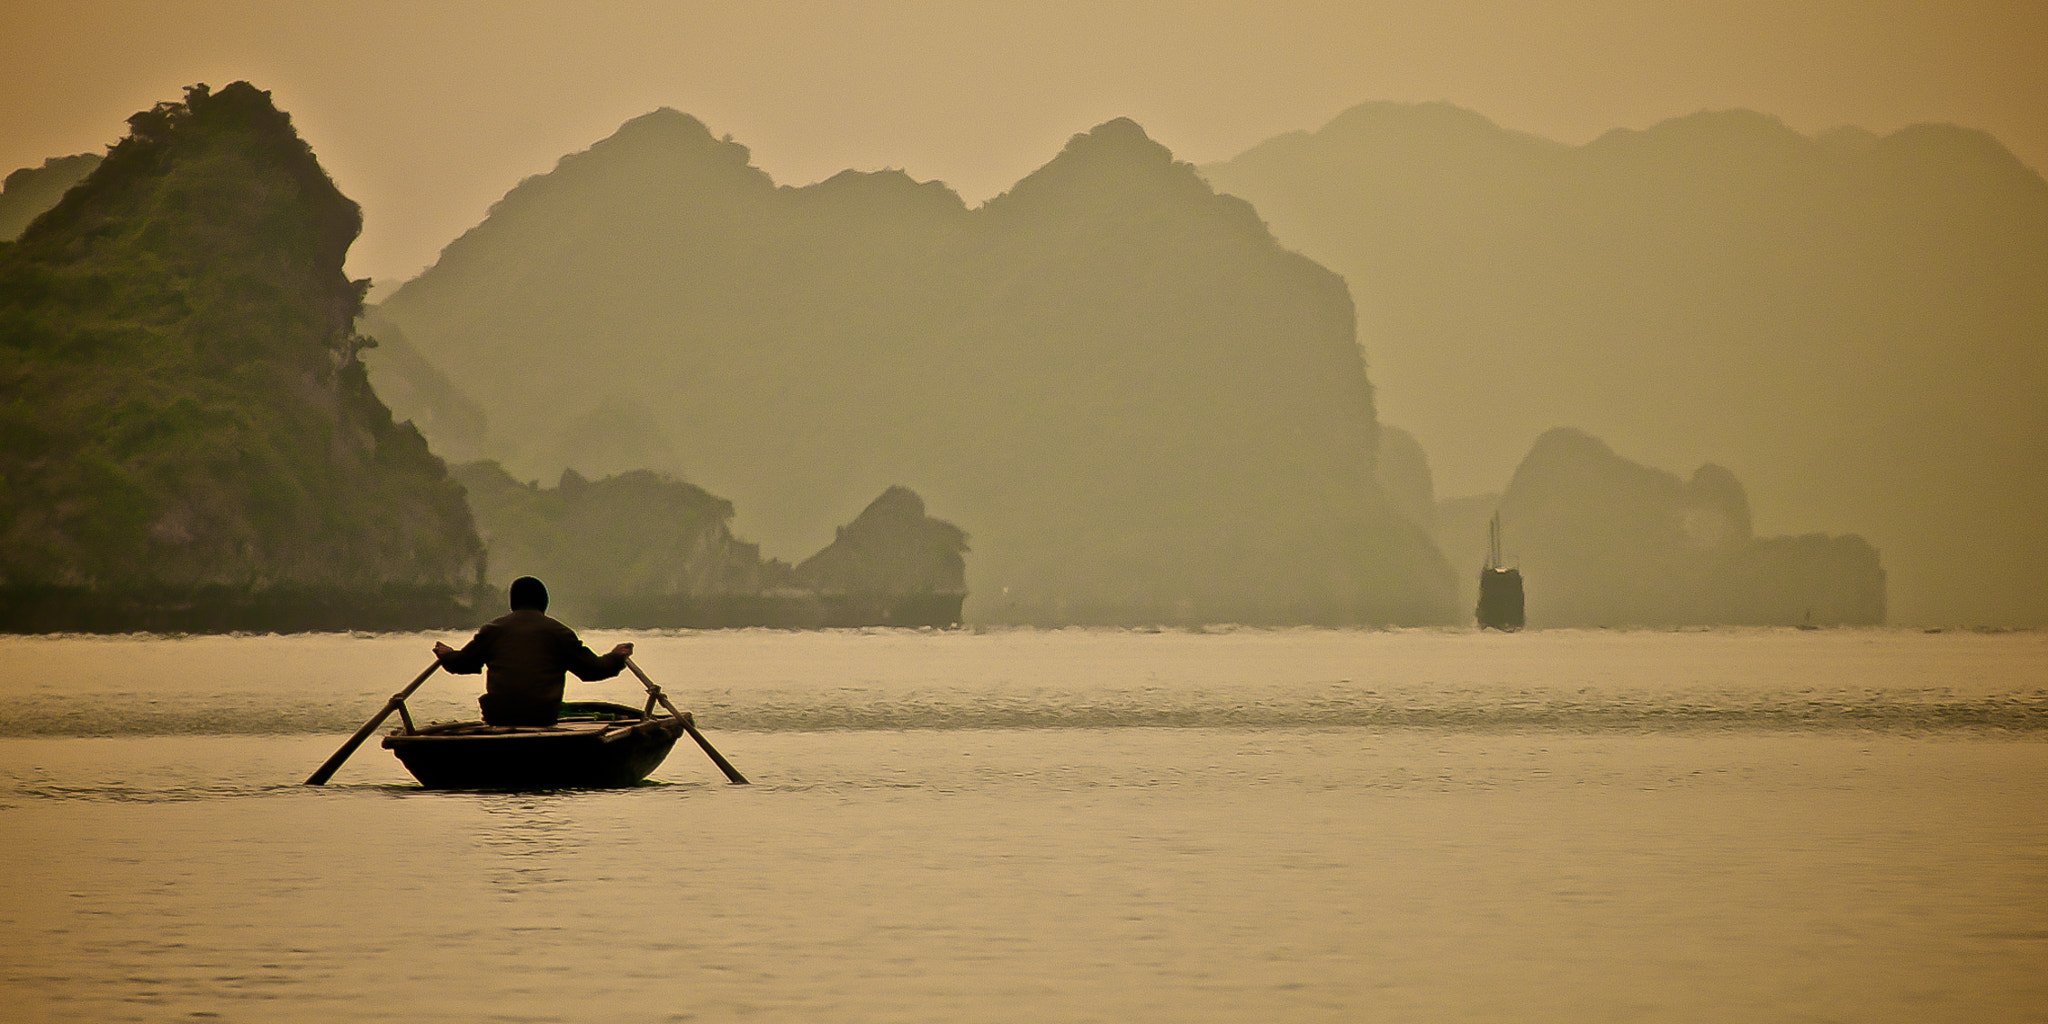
[731, 773]
[326, 771]
[653, 690]
[690, 726]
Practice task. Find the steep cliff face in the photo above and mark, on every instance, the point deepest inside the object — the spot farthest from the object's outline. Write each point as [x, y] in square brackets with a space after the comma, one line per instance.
[1402, 468]
[181, 403]
[1604, 541]
[1145, 408]
[1853, 323]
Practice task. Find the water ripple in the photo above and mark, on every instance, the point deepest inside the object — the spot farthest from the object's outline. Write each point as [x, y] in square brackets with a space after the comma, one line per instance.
[2024, 711]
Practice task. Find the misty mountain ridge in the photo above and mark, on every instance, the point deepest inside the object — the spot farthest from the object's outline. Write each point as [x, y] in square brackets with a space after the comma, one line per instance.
[1142, 407]
[889, 277]
[1853, 323]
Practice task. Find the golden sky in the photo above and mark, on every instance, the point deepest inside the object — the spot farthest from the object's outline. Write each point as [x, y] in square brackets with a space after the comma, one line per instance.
[426, 112]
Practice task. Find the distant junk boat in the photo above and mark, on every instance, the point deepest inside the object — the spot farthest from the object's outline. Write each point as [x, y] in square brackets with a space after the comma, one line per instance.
[1500, 588]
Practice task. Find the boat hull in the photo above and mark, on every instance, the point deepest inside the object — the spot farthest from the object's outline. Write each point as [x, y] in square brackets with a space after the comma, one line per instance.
[592, 747]
[1500, 599]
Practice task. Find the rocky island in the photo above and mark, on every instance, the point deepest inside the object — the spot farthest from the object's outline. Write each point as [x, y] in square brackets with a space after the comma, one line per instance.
[644, 550]
[1605, 541]
[188, 440]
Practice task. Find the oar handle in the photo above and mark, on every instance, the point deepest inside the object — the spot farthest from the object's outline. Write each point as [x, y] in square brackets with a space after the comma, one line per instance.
[326, 771]
[689, 726]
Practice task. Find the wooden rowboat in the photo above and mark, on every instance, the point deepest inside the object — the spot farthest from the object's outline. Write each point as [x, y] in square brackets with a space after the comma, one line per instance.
[595, 745]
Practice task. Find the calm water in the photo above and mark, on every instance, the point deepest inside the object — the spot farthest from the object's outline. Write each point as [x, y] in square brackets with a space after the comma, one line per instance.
[1841, 825]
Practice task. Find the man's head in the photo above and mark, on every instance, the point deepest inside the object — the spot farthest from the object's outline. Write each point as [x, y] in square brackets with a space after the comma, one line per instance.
[528, 592]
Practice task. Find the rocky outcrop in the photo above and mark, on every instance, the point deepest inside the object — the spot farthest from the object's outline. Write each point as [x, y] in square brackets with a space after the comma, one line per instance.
[187, 435]
[1604, 541]
[642, 549]
[637, 533]
[893, 562]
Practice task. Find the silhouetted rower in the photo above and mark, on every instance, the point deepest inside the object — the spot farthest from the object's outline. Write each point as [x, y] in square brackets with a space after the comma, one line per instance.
[529, 656]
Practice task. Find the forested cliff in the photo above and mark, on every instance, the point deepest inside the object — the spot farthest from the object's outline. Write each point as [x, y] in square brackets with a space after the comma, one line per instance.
[187, 435]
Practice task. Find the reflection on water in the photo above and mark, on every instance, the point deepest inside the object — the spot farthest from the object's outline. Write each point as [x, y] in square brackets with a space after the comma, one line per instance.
[531, 836]
[1205, 835]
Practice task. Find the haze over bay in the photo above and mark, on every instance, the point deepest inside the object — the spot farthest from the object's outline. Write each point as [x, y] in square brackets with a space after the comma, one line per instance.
[426, 114]
[1053, 449]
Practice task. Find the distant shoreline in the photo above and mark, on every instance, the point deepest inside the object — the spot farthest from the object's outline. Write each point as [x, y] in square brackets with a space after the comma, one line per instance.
[36, 610]
[216, 610]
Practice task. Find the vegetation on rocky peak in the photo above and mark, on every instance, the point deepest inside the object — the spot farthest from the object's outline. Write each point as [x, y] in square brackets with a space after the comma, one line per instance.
[182, 406]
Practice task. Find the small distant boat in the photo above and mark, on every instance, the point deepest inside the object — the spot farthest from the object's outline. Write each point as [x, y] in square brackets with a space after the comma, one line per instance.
[1500, 588]
[595, 745]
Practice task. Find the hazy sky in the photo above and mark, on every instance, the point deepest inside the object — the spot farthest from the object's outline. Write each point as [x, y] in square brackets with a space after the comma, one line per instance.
[426, 112]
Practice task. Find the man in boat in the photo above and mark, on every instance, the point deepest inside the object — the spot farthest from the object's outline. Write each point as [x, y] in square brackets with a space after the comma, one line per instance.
[529, 655]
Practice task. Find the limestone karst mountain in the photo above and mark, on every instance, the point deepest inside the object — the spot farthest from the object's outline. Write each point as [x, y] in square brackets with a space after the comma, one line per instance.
[187, 438]
[893, 553]
[1142, 407]
[1856, 326]
[1605, 541]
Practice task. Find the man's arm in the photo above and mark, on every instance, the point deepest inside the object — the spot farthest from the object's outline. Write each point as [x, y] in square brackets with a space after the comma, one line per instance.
[590, 667]
[473, 655]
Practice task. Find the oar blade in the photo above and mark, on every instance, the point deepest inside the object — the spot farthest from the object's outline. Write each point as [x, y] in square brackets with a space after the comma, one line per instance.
[731, 773]
[690, 724]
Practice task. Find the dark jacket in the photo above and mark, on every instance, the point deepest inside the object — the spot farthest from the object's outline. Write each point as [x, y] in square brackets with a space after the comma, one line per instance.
[528, 654]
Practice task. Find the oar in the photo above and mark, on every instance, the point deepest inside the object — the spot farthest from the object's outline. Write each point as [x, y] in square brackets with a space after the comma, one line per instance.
[689, 724]
[319, 778]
